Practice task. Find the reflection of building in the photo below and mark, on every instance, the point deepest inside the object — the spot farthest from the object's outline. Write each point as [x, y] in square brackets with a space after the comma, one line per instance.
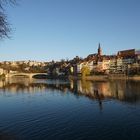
[22, 85]
[120, 90]
[1, 71]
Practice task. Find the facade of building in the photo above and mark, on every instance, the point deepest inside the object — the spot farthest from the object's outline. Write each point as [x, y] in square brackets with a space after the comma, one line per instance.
[119, 63]
[127, 53]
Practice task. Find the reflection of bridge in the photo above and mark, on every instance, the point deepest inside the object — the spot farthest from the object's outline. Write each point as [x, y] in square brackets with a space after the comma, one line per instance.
[29, 75]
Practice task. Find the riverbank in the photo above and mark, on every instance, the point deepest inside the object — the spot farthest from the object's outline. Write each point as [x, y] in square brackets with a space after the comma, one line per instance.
[135, 78]
[90, 78]
[106, 77]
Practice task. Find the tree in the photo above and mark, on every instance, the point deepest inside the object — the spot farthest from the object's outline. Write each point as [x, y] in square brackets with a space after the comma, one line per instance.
[4, 26]
[85, 71]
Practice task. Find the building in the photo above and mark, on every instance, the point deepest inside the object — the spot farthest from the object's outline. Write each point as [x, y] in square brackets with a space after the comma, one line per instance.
[126, 53]
[99, 50]
[106, 65]
[113, 64]
[119, 65]
[137, 56]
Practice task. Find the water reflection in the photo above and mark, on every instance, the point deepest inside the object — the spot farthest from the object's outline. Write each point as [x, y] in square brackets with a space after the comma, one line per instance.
[122, 90]
[117, 90]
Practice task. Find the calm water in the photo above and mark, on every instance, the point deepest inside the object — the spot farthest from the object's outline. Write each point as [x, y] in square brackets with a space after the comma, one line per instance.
[69, 110]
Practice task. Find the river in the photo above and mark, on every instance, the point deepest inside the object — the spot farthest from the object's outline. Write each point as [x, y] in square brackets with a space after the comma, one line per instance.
[69, 110]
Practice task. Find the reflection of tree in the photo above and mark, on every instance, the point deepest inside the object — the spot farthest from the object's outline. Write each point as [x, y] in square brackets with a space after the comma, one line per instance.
[86, 86]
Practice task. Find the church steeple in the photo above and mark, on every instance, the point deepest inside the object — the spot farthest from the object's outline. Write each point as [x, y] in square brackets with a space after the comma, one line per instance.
[99, 50]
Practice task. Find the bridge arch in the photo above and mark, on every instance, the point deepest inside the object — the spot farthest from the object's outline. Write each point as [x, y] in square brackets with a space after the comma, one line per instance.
[29, 75]
[40, 75]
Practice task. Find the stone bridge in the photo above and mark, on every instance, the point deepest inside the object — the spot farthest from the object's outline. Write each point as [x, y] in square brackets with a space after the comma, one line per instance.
[29, 75]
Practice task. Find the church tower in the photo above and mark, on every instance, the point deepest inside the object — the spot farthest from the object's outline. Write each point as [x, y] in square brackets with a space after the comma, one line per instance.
[99, 50]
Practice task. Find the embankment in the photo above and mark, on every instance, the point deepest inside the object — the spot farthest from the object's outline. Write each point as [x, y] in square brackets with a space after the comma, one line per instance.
[106, 77]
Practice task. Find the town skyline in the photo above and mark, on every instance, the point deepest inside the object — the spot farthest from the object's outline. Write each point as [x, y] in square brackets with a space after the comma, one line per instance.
[123, 62]
[66, 59]
[55, 30]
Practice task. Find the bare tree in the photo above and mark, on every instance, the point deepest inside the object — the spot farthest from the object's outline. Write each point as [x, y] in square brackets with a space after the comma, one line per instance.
[4, 26]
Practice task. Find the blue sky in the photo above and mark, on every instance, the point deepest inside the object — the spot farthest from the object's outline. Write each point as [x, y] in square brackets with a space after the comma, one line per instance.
[43, 30]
